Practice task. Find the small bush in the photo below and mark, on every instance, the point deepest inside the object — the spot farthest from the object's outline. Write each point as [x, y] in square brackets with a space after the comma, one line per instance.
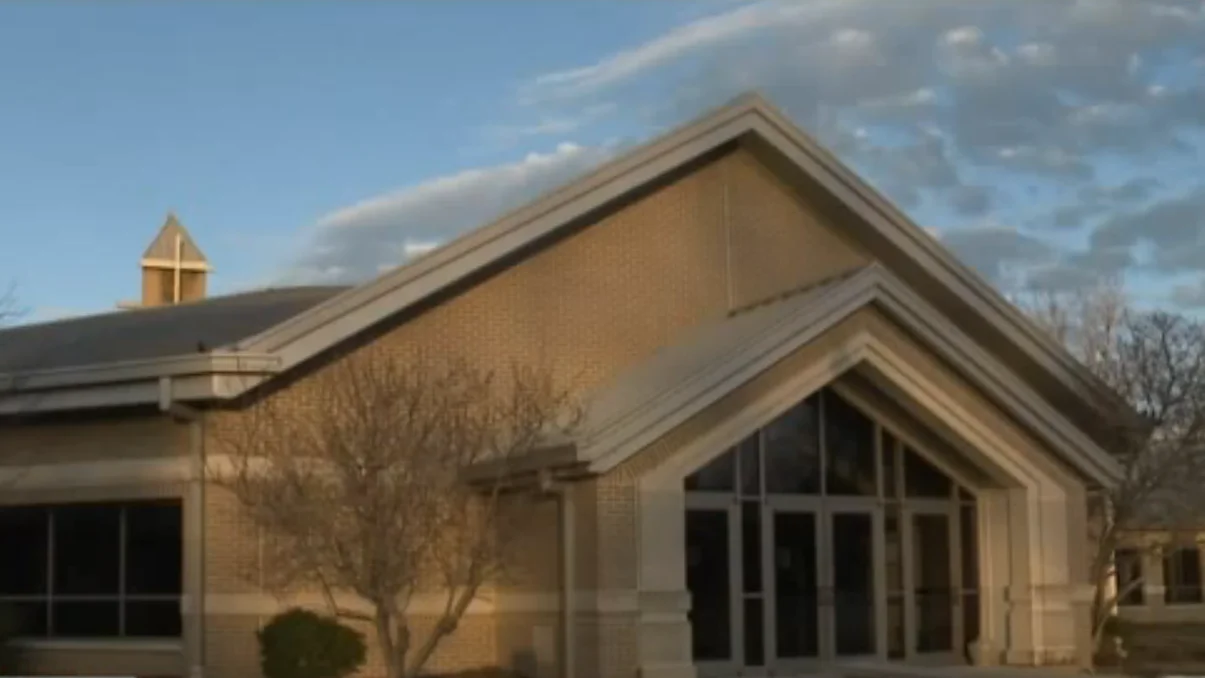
[303, 644]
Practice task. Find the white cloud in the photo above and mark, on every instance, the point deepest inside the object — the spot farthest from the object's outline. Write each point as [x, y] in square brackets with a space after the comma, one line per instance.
[556, 124]
[935, 102]
[1003, 70]
[382, 232]
[690, 38]
[963, 36]
[853, 38]
[417, 249]
[921, 96]
[1037, 53]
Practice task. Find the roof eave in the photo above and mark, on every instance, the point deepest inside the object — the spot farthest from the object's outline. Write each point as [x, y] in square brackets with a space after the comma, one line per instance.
[193, 389]
[854, 192]
[562, 459]
[118, 384]
[614, 441]
[136, 370]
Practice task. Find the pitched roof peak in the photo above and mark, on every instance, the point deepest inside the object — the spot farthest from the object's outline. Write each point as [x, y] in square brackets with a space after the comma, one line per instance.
[163, 247]
[751, 98]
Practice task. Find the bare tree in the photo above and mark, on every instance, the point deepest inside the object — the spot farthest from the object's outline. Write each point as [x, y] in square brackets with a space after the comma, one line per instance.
[9, 384]
[8, 305]
[364, 493]
[1155, 361]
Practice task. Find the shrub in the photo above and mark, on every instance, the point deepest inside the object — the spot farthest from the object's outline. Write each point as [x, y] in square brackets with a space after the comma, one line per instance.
[303, 644]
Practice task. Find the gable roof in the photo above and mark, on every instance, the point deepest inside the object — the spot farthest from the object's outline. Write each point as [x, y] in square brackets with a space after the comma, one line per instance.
[646, 402]
[748, 119]
[156, 332]
[125, 357]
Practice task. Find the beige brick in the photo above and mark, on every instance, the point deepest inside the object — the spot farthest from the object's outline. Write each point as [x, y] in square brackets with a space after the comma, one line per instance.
[75, 438]
[589, 304]
[595, 302]
[115, 662]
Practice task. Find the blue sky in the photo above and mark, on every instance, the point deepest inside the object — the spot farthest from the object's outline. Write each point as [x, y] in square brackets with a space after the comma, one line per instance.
[1048, 143]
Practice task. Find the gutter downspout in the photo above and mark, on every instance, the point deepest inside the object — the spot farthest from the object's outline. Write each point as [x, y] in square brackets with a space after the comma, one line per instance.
[566, 519]
[196, 420]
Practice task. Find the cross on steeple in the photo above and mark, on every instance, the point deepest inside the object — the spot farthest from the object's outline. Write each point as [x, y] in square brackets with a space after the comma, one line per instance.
[174, 270]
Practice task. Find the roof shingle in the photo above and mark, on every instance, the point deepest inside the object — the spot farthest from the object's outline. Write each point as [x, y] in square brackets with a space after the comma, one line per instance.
[157, 332]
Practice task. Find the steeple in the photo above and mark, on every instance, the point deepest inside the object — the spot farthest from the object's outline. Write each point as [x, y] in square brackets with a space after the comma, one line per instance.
[174, 270]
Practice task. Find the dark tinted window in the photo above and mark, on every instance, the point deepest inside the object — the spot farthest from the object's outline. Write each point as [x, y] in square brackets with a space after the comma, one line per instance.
[792, 450]
[849, 443]
[718, 475]
[923, 480]
[87, 558]
[154, 546]
[23, 537]
[80, 569]
[1182, 576]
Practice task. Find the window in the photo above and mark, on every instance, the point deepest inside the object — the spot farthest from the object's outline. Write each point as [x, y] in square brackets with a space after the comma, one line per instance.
[850, 464]
[888, 447]
[825, 446]
[1182, 575]
[1127, 565]
[791, 446]
[94, 570]
[719, 475]
[923, 480]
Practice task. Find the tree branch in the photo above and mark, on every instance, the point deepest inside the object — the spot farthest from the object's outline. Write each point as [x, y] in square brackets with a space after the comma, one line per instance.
[359, 475]
[1155, 362]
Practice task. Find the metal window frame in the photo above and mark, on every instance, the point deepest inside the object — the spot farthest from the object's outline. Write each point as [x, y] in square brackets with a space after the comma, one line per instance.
[823, 506]
[122, 597]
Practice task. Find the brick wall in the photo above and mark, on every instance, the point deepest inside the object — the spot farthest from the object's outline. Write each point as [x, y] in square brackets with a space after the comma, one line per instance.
[590, 305]
[71, 439]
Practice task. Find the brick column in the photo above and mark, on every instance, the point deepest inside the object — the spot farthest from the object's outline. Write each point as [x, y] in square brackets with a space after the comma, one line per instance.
[664, 628]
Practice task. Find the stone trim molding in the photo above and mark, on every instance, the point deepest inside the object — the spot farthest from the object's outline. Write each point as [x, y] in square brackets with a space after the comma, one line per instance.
[1075, 593]
[424, 604]
[100, 473]
[111, 473]
[100, 645]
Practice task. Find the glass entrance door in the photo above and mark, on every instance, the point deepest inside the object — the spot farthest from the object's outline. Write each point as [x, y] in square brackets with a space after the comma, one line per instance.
[711, 578]
[795, 541]
[824, 537]
[854, 599]
[783, 587]
[934, 590]
[822, 582]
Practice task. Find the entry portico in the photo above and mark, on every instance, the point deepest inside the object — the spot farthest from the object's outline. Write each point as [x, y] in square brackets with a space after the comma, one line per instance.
[848, 477]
